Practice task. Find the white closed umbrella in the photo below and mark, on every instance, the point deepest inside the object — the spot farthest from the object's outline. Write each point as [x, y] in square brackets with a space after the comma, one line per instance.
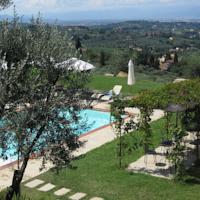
[131, 73]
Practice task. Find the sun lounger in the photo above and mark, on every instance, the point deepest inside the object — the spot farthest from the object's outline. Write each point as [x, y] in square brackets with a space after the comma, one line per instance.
[97, 95]
[114, 92]
[117, 90]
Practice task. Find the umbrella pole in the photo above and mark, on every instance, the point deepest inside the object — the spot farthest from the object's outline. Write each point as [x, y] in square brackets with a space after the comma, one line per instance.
[177, 115]
[167, 116]
[197, 152]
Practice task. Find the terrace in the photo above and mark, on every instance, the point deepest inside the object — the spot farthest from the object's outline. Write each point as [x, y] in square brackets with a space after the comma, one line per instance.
[103, 178]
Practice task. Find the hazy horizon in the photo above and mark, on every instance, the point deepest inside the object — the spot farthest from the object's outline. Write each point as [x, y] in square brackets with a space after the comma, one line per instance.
[80, 10]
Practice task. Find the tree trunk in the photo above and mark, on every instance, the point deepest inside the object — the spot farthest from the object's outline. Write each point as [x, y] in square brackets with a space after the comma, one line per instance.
[14, 189]
[120, 150]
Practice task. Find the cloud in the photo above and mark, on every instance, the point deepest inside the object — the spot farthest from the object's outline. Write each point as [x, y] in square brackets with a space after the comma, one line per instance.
[85, 4]
[67, 5]
[38, 4]
[168, 1]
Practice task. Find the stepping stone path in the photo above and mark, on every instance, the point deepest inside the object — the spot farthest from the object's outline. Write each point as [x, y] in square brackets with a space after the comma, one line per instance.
[34, 183]
[62, 192]
[47, 187]
[77, 196]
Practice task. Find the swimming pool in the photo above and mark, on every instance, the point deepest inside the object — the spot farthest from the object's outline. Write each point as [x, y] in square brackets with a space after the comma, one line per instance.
[94, 119]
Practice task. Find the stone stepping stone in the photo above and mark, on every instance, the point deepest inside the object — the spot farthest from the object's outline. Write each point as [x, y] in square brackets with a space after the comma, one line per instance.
[77, 196]
[34, 183]
[96, 198]
[47, 187]
[62, 192]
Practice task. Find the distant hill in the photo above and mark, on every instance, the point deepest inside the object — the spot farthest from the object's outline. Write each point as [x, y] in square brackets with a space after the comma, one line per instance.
[2, 17]
[26, 19]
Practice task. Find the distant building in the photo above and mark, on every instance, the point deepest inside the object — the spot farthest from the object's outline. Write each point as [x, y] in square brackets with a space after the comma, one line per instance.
[166, 66]
[162, 59]
[138, 49]
[172, 55]
[175, 50]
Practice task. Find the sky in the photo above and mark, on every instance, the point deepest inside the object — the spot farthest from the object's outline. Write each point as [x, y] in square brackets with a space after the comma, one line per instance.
[108, 9]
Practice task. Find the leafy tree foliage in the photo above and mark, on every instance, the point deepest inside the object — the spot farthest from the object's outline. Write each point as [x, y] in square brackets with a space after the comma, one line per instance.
[189, 65]
[184, 94]
[147, 57]
[78, 44]
[117, 112]
[145, 127]
[5, 3]
[175, 58]
[121, 128]
[176, 156]
[119, 61]
[38, 116]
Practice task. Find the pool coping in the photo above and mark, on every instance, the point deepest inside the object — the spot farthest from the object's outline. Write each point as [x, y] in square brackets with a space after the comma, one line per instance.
[34, 156]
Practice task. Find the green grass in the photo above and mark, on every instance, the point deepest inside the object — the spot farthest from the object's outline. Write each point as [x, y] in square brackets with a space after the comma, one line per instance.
[97, 174]
[104, 83]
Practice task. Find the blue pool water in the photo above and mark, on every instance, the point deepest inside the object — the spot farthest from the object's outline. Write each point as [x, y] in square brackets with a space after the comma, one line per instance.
[93, 119]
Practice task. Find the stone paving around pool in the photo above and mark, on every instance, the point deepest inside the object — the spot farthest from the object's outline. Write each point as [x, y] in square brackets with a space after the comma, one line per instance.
[91, 141]
[48, 187]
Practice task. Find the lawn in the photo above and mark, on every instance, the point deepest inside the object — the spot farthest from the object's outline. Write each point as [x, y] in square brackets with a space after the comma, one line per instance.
[106, 83]
[97, 174]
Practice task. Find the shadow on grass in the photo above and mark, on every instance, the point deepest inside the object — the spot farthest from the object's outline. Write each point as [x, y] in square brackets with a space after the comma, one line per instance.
[193, 175]
[71, 166]
[192, 180]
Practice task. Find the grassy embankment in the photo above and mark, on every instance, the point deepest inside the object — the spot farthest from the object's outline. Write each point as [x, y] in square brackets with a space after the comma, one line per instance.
[97, 174]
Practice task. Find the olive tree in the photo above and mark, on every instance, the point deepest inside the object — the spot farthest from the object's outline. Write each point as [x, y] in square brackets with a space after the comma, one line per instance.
[5, 3]
[38, 115]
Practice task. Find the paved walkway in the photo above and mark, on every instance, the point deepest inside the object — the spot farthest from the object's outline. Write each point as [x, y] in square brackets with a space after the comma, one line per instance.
[32, 170]
[92, 141]
[158, 165]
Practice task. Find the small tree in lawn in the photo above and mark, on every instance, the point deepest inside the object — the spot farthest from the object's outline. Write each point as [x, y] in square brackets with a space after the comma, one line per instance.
[117, 113]
[176, 156]
[121, 128]
[41, 118]
[145, 127]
